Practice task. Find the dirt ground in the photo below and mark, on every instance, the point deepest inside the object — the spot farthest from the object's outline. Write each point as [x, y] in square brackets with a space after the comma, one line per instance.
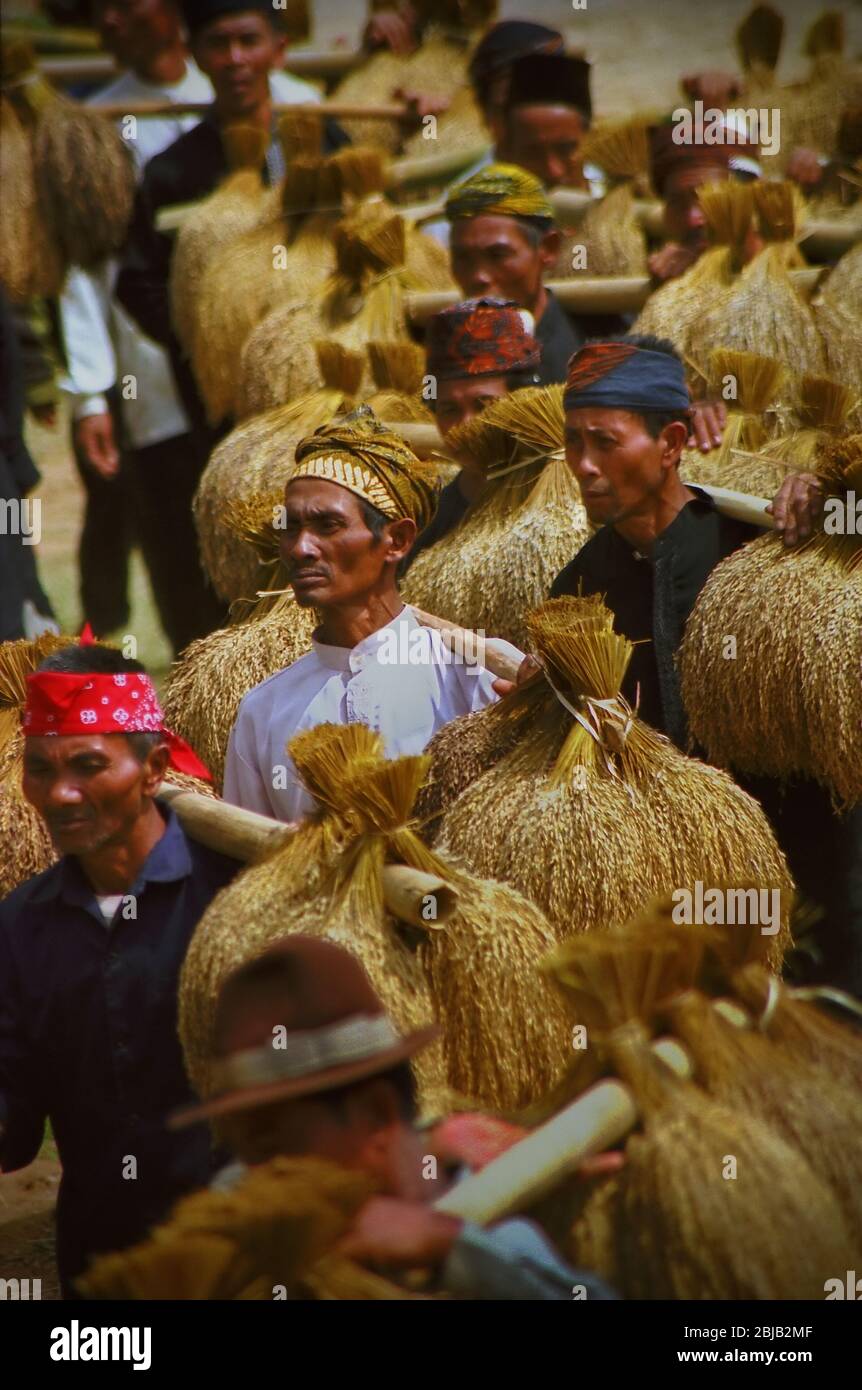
[638, 49]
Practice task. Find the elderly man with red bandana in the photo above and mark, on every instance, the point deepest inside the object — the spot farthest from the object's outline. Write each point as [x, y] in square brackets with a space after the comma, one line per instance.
[90, 955]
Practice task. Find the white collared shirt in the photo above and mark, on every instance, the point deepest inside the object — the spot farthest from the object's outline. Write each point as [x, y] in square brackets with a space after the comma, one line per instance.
[402, 681]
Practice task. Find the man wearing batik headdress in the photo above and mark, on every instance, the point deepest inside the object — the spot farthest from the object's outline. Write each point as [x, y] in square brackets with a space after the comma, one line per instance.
[90, 956]
[677, 171]
[627, 420]
[475, 352]
[503, 242]
[353, 506]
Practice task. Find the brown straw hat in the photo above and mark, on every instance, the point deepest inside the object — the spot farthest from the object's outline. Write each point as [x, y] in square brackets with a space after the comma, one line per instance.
[299, 1019]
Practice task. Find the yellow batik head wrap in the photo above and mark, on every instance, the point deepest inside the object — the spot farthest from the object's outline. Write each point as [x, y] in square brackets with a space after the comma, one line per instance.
[503, 190]
[360, 454]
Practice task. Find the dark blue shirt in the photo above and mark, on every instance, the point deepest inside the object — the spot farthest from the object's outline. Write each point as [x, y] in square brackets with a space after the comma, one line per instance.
[88, 1039]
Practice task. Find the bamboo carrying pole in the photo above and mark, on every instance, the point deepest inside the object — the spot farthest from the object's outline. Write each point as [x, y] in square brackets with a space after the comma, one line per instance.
[473, 648]
[338, 110]
[246, 836]
[611, 294]
[83, 67]
[535, 1165]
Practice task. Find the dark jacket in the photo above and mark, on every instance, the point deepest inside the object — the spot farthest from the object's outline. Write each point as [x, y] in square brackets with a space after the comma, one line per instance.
[88, 1041]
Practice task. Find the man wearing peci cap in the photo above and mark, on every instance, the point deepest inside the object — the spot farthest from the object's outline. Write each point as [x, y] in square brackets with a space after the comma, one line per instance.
[90, 955]
[475, 352]
[353, 506]
[308, 1065]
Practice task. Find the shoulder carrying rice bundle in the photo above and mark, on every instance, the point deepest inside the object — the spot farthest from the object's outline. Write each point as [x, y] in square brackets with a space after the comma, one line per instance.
[205, 686]
[30, 264]
[277, 1227]
[791, 701]
[379, 258]
[592, 812]
[478, 971]
[248, 470]
[679, 309]
[682, 1229]
[84, 170]
[239, 204]
[501, 560]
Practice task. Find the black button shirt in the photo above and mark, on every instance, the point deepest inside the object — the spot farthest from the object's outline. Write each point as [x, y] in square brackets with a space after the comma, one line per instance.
[88, 1039]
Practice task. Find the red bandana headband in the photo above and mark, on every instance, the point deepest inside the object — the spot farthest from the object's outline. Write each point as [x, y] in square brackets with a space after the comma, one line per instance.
[98, 703]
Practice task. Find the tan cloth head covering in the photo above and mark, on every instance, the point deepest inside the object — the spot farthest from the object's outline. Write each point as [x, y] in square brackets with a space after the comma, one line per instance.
[360, 454]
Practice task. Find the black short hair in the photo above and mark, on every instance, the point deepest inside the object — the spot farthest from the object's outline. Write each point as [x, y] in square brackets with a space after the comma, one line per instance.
[77, 660]
[374, 519]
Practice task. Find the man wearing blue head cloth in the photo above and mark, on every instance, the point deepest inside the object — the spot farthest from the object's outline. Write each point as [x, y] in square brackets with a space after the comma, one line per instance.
[627, 421]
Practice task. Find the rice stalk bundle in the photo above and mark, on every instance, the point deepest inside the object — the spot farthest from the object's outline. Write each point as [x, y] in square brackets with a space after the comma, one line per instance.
[250, 466]
[478, 972]
[683, 1229]
[748, 384]
[460, 127]
[818, 1114]
[398, 370]
[793, 1018]
[591, 812]
[237, 205]
[437, 68]
[790, 703]
[610, 231]
[766, 313]
[378, 258]
[811, 110]
[277, 1227]
[500, 561]
[30, 264]
[83, 168]
[278, 261]
[205, 686]
[679, 309]
[838, 314]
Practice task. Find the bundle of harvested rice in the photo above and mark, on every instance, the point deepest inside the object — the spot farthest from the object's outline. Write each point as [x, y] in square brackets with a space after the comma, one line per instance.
[84, 170]
[527, 524]
[678, 309]
[460, 127]
[478, 972]
[792, 1018]
[279, 261]
[748, 385]
[205, 686]
[791, 701]
[837, 312]
[276, 1228]
[30, 263]
[821, 413]
[249, 467]
[815, 1112]
[236, 206]
[398, 371]
[378, 259]
[766, 313]
[681, 1228]
[758, 42]
[592, 812]
[811, 110]
[610, 231]
[28, 849]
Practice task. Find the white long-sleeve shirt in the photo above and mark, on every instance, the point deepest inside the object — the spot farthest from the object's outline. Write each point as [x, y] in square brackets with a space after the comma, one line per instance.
[402, 681]
[104, 346]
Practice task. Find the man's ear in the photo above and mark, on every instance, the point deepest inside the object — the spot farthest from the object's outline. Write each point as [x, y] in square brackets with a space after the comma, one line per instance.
[155, 767]
[549, 248]
[279, 45]
[399, 538]
[673, 439]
